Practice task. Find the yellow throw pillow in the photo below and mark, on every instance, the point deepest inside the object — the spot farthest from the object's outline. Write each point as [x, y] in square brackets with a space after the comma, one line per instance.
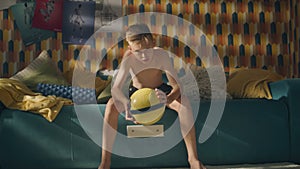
[105, 95]
[251, 83]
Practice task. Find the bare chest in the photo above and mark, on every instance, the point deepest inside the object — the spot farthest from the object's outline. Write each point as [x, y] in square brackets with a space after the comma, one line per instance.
[147, 78]
[146, 67]
[146, 74]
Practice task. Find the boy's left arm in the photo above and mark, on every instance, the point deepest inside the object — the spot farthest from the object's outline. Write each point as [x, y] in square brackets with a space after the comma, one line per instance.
[175, 93]
[173, 80]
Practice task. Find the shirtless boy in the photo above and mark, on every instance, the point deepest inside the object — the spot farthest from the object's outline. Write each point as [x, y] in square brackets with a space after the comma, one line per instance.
[145, 63]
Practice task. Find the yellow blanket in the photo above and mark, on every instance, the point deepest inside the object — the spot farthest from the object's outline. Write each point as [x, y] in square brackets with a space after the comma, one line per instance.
[15, 95]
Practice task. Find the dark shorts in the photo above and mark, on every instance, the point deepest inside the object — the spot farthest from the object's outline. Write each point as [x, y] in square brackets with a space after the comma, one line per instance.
[163, 87]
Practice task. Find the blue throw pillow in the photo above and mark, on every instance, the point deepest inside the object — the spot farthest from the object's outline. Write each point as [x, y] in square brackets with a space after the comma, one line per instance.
[77, 94]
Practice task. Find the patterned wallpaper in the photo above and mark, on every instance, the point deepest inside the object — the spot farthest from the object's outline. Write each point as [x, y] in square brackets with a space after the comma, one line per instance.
[294, 38]
[254, 34]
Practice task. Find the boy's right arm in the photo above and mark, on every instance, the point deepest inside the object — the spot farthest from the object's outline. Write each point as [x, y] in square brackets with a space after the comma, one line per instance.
[117, 92]
[120, 79]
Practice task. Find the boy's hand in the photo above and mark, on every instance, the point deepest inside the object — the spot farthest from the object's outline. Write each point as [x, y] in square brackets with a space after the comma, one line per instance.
[161, 96]
[128, 115]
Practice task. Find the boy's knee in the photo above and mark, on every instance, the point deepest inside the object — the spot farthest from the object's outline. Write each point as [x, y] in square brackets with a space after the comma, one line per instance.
[110, 106]
[113, 107]
[110, 103]
[175, 106]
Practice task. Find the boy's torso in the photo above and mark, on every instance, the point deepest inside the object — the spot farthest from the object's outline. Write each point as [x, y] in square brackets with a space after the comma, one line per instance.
[147, 74]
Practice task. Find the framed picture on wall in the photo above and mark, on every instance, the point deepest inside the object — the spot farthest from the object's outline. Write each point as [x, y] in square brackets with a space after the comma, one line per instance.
[78, 21]
[6, 4]
[47, 14]
[23, 14]
[106, 12]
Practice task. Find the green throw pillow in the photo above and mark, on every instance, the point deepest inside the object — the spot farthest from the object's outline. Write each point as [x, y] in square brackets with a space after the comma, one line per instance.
[41, 70]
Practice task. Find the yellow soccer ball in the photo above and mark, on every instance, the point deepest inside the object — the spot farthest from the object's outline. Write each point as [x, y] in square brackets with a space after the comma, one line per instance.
[146, 107]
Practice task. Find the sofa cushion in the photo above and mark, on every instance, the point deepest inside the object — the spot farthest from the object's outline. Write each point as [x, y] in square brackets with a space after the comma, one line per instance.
[40, 70]
[204, 81]
[105, 95]
[84, 77]
[247, 133]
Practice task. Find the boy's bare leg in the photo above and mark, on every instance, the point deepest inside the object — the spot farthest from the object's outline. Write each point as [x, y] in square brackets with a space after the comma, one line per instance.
[186, 120]
[186, 123]
[110, 126]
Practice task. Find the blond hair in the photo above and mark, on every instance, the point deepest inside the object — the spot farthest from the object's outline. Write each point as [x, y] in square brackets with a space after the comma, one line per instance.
[138, 32]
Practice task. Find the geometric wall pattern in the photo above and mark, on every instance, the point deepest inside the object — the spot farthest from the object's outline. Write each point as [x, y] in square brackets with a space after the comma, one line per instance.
[294, 38]
[254, 34]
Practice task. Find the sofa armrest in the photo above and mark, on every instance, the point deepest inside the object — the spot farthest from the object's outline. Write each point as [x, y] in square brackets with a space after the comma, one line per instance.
[288, 91]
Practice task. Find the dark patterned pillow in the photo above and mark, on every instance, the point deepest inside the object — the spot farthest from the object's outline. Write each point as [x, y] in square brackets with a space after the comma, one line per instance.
[77, 94]
[207, 84]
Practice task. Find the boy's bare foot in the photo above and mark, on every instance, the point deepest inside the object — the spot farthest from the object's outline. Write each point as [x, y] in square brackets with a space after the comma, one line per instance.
[197, 165]
[103, 167]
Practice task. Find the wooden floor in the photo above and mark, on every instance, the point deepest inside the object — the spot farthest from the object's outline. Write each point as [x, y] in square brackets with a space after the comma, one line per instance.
[248, 166]
[243, 166]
